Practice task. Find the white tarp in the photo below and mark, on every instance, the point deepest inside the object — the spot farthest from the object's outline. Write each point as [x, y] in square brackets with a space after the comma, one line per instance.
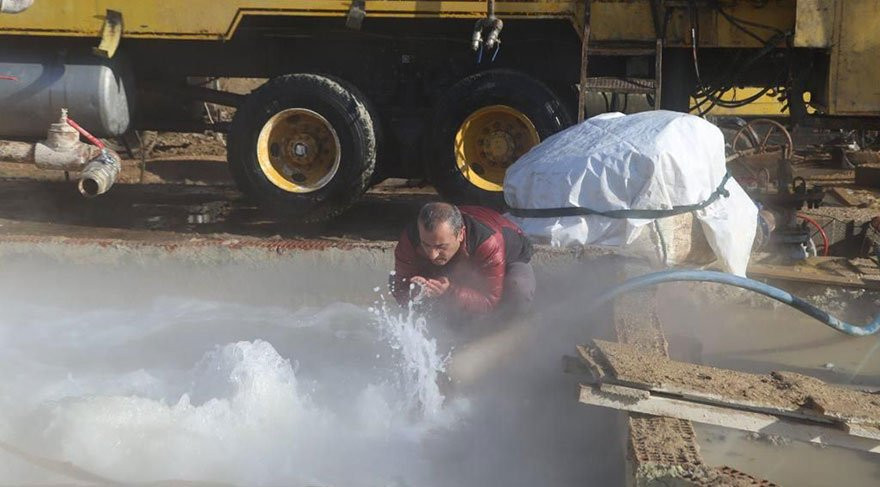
[650, 160]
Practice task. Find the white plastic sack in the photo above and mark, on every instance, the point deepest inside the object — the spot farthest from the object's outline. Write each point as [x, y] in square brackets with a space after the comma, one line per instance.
[651, 160]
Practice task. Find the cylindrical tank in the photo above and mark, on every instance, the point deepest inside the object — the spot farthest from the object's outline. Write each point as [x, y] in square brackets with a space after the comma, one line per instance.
[98, 92]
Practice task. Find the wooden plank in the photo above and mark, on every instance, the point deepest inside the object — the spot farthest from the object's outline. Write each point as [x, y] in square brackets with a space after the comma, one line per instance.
[779, 393]
[813, 275]
[846, 197]
[636, 401]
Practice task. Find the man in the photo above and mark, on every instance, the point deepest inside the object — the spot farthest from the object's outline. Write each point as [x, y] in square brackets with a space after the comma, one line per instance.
[471, 260]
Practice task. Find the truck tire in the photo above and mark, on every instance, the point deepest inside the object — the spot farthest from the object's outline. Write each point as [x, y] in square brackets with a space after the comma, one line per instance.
[481, 126]
[303, 145]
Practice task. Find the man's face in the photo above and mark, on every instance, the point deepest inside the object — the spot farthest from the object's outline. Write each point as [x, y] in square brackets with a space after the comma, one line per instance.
[441, 244]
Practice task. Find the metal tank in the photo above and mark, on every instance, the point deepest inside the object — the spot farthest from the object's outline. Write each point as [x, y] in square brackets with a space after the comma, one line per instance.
[36, 85]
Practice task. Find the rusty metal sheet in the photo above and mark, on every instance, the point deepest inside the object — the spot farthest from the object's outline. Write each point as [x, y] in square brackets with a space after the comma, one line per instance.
[814, 26]
[853, 87]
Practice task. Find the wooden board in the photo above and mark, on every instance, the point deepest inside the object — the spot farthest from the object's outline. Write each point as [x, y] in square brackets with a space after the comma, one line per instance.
[846, 197]
[813, 274]
[639, 401]
[786, 394]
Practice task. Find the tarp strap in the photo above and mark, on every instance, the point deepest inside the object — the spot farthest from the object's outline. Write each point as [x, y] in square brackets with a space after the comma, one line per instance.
[719, 192]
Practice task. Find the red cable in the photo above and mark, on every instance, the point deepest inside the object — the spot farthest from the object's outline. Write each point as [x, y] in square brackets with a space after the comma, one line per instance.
[8, 77]
[825, 244]
[91, 138]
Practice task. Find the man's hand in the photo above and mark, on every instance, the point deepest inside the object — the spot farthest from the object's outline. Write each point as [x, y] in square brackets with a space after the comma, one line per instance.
[434, 288]
[431, 288]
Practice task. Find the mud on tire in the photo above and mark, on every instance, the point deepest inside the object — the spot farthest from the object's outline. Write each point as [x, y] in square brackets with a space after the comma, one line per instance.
[513, 89]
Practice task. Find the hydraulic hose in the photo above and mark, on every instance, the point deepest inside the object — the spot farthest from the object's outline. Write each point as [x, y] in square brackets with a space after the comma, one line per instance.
[744, 283]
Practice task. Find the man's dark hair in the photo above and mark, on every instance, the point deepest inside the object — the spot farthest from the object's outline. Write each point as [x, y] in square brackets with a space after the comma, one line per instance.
[434, 214]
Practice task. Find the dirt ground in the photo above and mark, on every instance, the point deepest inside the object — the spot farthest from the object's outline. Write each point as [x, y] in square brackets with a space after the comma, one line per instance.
[184, 191]
[183, 197]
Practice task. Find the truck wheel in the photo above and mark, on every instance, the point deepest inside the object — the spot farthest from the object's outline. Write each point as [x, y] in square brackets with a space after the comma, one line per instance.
[304, 145]
[481, 126]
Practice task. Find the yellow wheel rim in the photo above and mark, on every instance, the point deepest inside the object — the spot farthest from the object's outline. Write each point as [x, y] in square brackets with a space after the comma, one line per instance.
[298, 150]
[489, 141]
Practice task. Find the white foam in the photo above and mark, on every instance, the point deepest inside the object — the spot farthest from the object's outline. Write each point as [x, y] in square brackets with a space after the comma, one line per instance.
[244, 412]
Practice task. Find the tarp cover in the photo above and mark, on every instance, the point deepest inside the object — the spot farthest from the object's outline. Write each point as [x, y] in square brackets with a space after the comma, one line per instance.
[651, 160]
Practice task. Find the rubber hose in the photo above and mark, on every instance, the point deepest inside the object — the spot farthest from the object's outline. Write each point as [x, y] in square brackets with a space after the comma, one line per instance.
[744, 283]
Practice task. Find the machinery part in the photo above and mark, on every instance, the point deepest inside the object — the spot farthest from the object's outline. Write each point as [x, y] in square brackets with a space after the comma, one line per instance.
[111, 34]
[15, 6]
[826, 245]
[756, 148]
[62, 150]
[99, 174]
[744, 283]
[481, 125]
[97, 90]
[490, 24]
[303, 144]
[763, 136]
[356, 14]
[19, 152]
[491, 139]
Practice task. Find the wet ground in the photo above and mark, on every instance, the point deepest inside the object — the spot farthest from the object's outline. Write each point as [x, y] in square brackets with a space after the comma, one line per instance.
[183, 199]
[754, 335]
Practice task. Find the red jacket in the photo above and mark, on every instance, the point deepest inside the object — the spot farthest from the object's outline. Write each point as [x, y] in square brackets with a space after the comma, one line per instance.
[476, 272]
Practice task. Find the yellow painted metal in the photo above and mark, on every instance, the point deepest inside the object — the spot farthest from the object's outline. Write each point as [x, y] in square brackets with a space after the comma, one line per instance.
[853, 78]
[489, 141]
[111, 34]
[622, 21]
[765, 106]
[613, 20]
[218, 19]
[298, 150]
[815, 23]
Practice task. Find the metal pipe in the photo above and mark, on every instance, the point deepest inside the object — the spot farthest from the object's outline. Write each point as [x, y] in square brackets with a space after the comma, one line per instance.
[99, 174]
[21, 152]
[15, 6]
[585, 46]
[744, 283]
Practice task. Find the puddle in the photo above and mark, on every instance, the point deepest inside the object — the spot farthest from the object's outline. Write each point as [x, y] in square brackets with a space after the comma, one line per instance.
[763, 338]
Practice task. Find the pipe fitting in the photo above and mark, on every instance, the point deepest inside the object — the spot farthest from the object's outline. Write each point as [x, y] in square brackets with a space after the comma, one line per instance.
[477, 38]
[99, 174]
[494, 37]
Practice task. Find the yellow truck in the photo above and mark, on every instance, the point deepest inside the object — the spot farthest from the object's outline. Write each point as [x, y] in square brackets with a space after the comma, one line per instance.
[454, 91]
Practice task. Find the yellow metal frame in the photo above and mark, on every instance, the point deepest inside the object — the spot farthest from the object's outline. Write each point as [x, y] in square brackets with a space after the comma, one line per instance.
[853, 87]
[219, 19]
[612, 20]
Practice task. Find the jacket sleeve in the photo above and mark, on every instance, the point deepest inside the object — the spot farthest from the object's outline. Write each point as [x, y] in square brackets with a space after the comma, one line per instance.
[491, 260]
[405, 267]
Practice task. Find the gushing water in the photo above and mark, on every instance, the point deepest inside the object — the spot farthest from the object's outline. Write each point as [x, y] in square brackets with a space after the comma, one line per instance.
[242, 413]
[194, 382]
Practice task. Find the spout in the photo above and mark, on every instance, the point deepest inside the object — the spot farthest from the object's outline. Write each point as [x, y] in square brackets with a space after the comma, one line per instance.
[99, 174]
